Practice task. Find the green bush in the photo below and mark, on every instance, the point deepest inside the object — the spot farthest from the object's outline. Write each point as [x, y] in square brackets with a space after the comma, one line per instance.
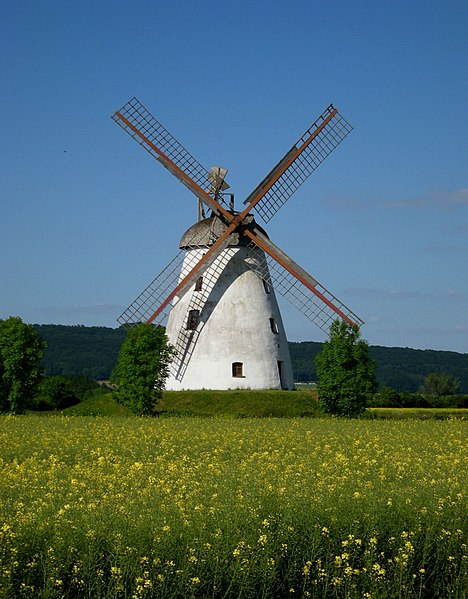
[449, 401]
[346, 381]
[56, 393]
[82, 385]
[141, 369]
[386, 397]
[389, 398]
[413, 400]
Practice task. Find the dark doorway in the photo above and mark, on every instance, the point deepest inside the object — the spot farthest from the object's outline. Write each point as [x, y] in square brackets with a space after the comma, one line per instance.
[280, 372]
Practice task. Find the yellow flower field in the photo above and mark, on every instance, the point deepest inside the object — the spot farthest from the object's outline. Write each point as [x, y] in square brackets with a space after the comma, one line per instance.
[218, 507]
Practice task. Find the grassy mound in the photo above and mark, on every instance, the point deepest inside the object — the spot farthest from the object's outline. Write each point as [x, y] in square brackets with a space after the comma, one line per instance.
[240, 403]
[248, 404]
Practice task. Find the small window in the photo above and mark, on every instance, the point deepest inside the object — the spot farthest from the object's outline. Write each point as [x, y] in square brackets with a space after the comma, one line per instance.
[193, 318]
[199, 284]
[237, 369]
[266, 286]
[273, 326]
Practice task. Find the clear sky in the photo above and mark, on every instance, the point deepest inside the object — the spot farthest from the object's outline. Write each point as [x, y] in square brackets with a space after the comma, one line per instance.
[87, 218]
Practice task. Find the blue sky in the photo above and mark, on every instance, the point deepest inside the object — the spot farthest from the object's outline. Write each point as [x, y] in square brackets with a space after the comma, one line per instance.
[87, 218]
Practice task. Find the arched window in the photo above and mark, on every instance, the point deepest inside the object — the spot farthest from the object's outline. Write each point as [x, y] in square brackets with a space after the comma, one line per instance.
[237, 369]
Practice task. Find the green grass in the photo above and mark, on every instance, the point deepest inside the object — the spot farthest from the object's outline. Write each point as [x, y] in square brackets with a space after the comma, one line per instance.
[240, 403]
[118, 507]
[246, 403]
[98, 404]
[236, 404]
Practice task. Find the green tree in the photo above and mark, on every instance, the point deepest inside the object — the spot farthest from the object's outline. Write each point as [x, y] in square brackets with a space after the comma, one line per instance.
[21, 350]
[82, 386]
[386, 398]
[439, 384]
[142, 368]
[346, 381]
[56, 393]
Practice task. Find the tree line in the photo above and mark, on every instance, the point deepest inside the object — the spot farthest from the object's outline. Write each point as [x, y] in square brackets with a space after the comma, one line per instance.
[345, 370]
[92, 352]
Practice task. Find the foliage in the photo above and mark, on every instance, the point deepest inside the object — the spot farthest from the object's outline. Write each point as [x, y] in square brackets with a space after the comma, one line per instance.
[386, 397]
[413, 400]
[142, 368]
[193, 507]
[389, 398]
[60, 392]
[346, 380]
[303, 360]
[56, 393]
[80, 350]
[21, 350]
[456, 401]
[438, 384]
[404, 369]
[82, 385]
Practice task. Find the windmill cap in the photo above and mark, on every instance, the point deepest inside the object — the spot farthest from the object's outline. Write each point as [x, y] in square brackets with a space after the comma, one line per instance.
[205, 232]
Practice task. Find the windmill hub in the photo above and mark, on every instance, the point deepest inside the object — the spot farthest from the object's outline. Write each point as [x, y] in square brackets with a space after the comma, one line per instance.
[205, 232]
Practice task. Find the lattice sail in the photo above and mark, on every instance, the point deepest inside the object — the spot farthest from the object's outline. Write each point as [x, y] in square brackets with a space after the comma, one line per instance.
[138, 120]
[322, 312]
[152, 297]
[144, 306]
[320, 139]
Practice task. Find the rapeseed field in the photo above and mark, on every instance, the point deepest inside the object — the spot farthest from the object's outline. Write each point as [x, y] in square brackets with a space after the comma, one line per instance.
[246, 508]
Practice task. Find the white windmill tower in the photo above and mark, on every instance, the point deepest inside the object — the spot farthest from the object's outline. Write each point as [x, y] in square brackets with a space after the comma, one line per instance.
[218, 292]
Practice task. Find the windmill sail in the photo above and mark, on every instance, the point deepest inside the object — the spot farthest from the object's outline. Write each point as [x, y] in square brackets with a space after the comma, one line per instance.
[146, 130]
[311, 298]
[153, 304]
[311, 149]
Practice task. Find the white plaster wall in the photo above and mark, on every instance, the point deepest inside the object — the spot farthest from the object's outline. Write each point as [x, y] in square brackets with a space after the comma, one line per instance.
[234, 327]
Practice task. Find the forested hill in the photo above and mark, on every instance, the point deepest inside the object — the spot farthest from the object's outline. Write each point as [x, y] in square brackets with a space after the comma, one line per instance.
[92, 351]
[401, 368]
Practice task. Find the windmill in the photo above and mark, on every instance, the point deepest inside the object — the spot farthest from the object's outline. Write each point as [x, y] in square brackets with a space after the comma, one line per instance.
[218, 293]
